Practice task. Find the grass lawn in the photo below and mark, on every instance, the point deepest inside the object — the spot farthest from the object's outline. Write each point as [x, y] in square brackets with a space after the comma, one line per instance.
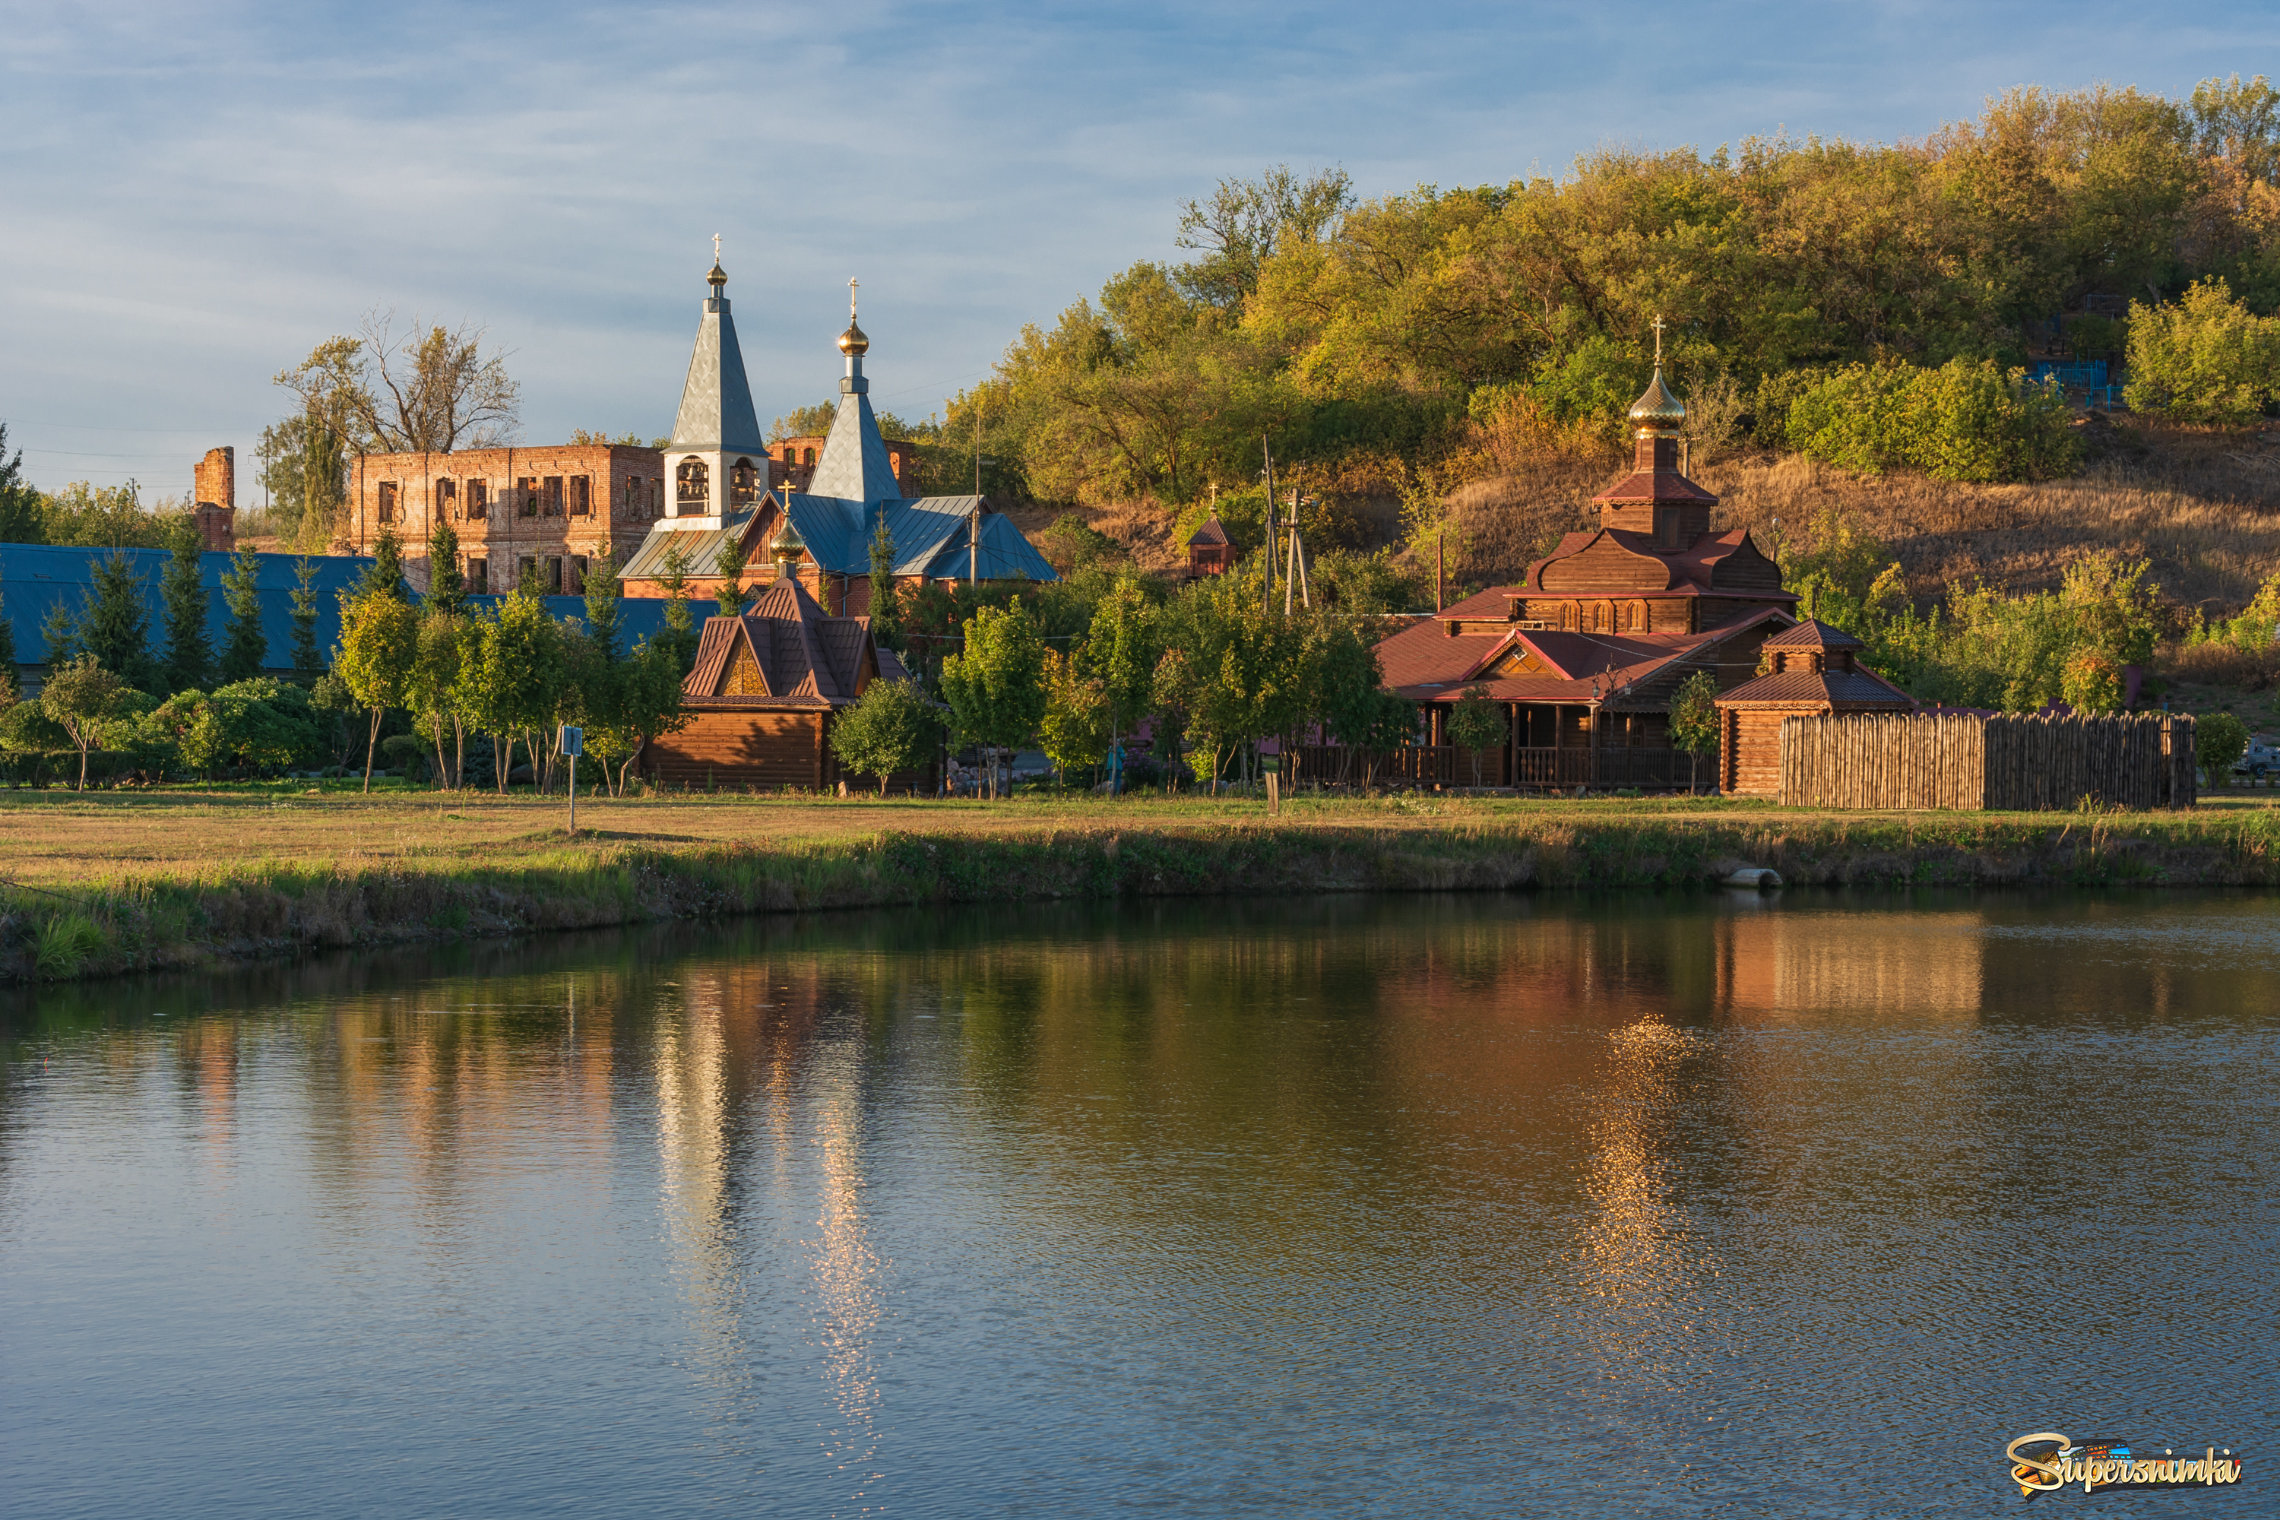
[59, 838]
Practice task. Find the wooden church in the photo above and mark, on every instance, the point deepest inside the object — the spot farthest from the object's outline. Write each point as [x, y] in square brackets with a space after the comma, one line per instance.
[764, 693]
[1586, 652]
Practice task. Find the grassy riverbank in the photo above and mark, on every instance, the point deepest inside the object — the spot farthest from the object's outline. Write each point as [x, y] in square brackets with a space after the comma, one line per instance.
[117, 882]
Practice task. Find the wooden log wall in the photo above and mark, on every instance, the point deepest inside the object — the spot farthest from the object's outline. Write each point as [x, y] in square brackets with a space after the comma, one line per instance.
[1974, 761]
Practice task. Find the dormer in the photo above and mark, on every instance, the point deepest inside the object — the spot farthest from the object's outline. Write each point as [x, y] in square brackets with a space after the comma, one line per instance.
[1812, 647]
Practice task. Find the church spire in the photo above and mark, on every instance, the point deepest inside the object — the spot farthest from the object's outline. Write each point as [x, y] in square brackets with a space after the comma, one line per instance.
[716, 400]
[854, 465]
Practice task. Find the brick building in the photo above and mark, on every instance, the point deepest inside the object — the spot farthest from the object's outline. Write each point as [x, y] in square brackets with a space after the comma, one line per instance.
[518, 512]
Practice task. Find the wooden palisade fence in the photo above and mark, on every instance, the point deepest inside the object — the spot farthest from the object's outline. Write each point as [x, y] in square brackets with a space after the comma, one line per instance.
[1979, 761]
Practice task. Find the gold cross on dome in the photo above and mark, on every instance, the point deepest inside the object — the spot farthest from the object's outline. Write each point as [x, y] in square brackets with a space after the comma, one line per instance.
[716, 248]
[851, 284]
[1658, 340]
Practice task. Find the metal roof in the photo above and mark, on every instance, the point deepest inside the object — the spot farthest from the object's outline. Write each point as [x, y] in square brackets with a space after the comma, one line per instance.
[854, 464]
[699, 546]
[716, 400]
[928, 532]
[35, 577]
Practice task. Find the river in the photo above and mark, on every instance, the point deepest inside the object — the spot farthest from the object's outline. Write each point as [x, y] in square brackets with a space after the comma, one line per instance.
[1399, 1206]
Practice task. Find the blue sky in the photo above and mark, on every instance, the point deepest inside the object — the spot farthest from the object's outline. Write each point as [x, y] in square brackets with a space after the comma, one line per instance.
[193, 193]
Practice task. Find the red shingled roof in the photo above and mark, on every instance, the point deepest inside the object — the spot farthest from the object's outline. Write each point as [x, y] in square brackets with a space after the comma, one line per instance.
[807, 657]
[1812, 633]
[1424, 664]
[1838, 688]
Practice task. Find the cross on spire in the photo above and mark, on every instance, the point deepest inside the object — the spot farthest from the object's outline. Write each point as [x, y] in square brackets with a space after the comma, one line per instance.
[851, 285]
[1658, 340]
[716, 248]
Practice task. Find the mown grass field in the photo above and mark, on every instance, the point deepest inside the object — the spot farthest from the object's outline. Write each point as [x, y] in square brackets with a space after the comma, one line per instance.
[113, 882]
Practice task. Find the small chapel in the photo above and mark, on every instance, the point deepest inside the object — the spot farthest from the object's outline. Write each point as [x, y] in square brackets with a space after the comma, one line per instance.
[1584, 655]
[817, 519]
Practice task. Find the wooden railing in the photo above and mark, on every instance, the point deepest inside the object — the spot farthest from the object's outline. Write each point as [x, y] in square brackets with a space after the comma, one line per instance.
[1529, 768]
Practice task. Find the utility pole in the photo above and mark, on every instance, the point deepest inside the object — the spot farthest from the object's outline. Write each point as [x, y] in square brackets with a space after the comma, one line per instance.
[1267, 592]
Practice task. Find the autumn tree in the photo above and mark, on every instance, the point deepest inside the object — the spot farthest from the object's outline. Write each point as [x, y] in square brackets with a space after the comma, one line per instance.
[379, 644]
[995, 683]
[82, 696]
[428, 389]
[891, 727]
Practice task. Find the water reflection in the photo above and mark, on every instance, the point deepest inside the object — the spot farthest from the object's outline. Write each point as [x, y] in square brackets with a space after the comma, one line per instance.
[1347, 1207]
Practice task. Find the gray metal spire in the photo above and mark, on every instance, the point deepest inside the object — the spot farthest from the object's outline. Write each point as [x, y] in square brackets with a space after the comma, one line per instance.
[854, 465]
[716, 400]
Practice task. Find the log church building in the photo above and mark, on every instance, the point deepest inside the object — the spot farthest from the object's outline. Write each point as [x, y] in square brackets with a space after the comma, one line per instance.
[1585, 654]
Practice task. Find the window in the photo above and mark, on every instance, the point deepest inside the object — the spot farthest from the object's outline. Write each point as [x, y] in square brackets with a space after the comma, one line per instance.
[550, 496]
[633, 496]
[741, 484]
[695, 491]
[478, 500]
[479, 576]
[581, 495]
[577, 575]
[526, 495]
[442, 497]
[807, 456]
[554, 575]
[387, 501]
[526, 571]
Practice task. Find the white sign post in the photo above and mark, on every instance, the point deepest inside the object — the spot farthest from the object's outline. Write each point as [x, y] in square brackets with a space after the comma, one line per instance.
[573, 745]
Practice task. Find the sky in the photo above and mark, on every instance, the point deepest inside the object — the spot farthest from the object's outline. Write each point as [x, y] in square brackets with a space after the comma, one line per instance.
[192, 194]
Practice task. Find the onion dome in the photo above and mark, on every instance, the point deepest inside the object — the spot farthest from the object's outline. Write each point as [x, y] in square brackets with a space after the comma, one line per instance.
[718, 277]
[853, 342]
[787, 545]
[1659, 409]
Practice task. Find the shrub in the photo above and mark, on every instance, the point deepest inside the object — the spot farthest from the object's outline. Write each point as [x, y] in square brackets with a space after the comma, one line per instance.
[2218, 740]
[1966, 420]
[2205, 358]
[891, 727]
[2092, 684]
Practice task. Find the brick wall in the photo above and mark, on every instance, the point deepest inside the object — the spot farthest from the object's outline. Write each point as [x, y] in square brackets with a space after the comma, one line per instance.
[516, 511]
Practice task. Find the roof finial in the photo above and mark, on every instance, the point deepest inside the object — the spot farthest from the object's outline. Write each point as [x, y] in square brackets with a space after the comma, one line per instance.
[852, 342]
[1658, 336]
[717, 277]
[851, 284]
[716, 248]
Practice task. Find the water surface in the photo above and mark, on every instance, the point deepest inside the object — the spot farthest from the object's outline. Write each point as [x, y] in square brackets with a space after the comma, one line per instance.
[1411, 1206]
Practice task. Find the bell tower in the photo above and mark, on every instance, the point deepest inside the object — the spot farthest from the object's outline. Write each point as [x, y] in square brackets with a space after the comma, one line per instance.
[1655, 498]
[717, 464]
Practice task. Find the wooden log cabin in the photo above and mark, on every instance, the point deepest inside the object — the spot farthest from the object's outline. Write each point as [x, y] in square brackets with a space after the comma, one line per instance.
[1813, 674]
[1586, 652]
[763, 695]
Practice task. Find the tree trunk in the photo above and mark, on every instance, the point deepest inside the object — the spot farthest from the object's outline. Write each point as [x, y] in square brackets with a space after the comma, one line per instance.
[458, 752]
[371, 743]
[83, 767]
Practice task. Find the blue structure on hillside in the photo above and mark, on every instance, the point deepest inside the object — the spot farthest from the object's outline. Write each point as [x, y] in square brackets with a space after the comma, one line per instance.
[35, 578]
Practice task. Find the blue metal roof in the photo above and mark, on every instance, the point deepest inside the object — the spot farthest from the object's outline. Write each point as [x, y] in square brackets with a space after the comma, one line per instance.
[926, 530]
[35, 577]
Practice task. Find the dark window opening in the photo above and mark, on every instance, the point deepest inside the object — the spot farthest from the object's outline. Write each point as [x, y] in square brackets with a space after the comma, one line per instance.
[550, 496]
[440, 502]
[807, 456]
[554, 575]
[742, 484]
[633, 496]
[387, 501]
[479, 576]
[577, 575]
[526, 571]
[526, 491]
[478, 500]
[581, 495]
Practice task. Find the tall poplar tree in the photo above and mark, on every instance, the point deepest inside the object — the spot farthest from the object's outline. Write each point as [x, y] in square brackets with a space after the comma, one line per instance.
[447, 587]
[182, 593]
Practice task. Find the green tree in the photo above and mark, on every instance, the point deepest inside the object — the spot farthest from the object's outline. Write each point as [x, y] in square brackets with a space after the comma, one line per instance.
[385, 575]
[447, 588]
[308, 659]
[603, 589]
[114, 625]
[379, 644]
[678, 636]
[891, 727]
[20, 516]
[245, 648]
[182, 595]
[2219, 739]
[430, 390]
[2205, 358]
[886, 596]
[1240, 675]
[729, 566]
[1121, 651]
[1694, 720]
[1476, 724]
[59, 632]
[433, 685]
[995, 684]
[512, 680]
[1076, 729]
[11, 685]
[2091, 683]
[304, 469]
[108, 517]
[82, 697]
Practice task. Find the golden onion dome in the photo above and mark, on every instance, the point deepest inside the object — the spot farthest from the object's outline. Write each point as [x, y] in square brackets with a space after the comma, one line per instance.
[853, 342]
[719, 276]
[787, 540]
[1659, 408]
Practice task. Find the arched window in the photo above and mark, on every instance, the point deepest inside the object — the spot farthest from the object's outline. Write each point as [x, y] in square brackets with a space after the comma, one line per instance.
[807, 456]
[695, 488]
[742, 484]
